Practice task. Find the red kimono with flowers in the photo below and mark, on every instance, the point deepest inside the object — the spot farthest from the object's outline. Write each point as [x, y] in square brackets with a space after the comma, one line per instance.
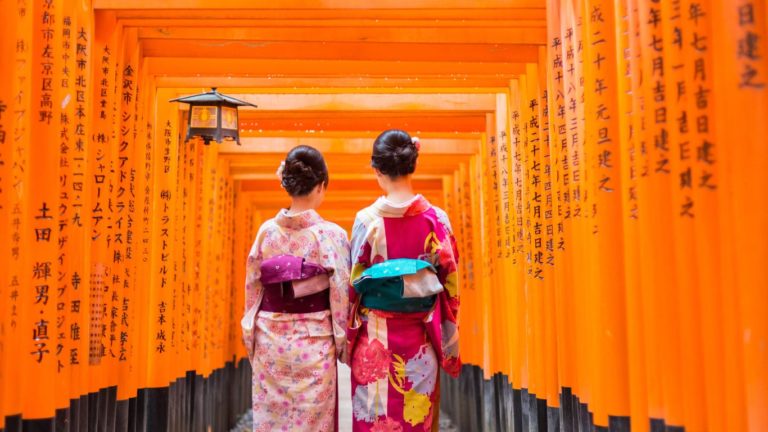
[396, 356]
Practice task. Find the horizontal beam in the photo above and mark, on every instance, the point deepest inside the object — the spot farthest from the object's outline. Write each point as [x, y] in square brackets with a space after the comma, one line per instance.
[369, 22]
[210, 15]
[313, 4]
[489, 83]
[412, 103]
[342, 204]
[321, 50]
[500, 35]
[244, 176]
[261, 123]
[350, 134]
[277, 199]
[326, 68]
[340, 184]
[433, 164]
[343, 146]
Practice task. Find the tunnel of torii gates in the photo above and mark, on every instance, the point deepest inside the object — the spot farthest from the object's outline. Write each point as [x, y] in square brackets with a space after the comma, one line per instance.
[604, 165]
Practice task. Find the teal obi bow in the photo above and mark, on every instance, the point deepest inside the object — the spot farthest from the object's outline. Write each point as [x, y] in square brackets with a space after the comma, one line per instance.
[399, 285]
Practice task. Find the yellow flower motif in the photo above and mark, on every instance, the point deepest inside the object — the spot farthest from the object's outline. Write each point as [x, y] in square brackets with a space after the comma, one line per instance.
[452, 284]
[416, 407]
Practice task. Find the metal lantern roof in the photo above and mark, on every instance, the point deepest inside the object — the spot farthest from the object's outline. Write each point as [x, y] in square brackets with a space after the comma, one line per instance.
[212, 96]
[213, 116]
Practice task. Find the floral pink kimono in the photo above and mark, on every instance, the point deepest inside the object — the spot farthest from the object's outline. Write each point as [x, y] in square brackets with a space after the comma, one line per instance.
[405, 304]
[293, 342]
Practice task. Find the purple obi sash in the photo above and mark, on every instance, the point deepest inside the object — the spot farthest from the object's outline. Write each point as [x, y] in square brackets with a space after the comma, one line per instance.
[292, 285]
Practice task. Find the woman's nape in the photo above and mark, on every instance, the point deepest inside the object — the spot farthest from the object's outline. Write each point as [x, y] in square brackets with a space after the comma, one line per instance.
[398, 189]
[304, 175]
[310, 201]
[394, 161]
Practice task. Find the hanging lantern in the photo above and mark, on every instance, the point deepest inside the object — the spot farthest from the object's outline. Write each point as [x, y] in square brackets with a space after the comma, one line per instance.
[213, 116]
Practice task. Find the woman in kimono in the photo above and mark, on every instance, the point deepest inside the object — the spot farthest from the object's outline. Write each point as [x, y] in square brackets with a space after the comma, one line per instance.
[404, 299]
[297, 280]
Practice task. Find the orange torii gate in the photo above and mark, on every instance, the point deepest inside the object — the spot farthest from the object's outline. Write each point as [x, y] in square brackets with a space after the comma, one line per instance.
[603, 164]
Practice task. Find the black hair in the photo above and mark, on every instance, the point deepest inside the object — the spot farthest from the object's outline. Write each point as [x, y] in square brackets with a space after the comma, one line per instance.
[394, 153]
[304, 169]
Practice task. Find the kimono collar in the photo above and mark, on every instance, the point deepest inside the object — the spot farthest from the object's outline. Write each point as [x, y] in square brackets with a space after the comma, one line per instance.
[414, 206]
[297, 221]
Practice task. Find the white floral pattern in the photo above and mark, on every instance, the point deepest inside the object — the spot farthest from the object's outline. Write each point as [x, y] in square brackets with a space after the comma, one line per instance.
[294, 355]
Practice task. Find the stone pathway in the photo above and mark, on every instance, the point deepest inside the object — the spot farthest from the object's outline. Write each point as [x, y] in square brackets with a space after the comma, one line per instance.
[345, 409]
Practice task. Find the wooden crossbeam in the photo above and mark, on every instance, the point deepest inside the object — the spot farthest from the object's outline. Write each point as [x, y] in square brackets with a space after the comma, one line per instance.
[358, 124]
[435, 165]
[255, 147]
[209, 46]
[351, 102]
[489, 83]
[326, 68]
[310, 4]
[501, 35]
[372, 12]
[347, 185]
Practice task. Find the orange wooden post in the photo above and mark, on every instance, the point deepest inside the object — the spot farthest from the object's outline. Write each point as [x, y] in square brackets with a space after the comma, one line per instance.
[486, 164]
[124, 300]
[574, 113]
[603, 150]
[682, 123]
[68, 231]
[740, 93]
[504, 233]
[40, 280]
[471, 331]
[654, 211]
[7, 82]
[465, 260]
[549, 223]
[183, 238]
[520, 372]
[630, 130]
[196, 147]
[242, 240]
[78, 189]
[98, 176]
[475, 188]
[207, 254]
[704, 187]
[144, 156]
[160, 295]
[561, 183]
[7, 51]
[535, 235]
[19, 241]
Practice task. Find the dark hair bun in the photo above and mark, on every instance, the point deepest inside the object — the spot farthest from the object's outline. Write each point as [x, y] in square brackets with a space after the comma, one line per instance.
[304, 169]
[394, 153]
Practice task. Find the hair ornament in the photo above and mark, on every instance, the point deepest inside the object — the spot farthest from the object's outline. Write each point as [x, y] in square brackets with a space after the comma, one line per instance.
[416, 143]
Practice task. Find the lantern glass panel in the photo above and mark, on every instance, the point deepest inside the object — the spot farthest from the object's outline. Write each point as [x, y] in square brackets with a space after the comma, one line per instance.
[228, 118]
[203, 117]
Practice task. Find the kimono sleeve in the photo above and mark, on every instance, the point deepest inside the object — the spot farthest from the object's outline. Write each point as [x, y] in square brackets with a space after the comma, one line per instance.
[339, 283]
[360, 254]
[254, 292]
[448, 260]
[448, 300]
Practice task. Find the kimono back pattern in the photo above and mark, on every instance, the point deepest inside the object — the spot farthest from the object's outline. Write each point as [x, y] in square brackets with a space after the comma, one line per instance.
[293, 355]
[396, 355]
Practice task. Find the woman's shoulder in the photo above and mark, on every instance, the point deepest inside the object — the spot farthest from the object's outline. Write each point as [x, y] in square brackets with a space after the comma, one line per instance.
[266, 226]
[442, 217]
[331, 228]
[366, 215]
